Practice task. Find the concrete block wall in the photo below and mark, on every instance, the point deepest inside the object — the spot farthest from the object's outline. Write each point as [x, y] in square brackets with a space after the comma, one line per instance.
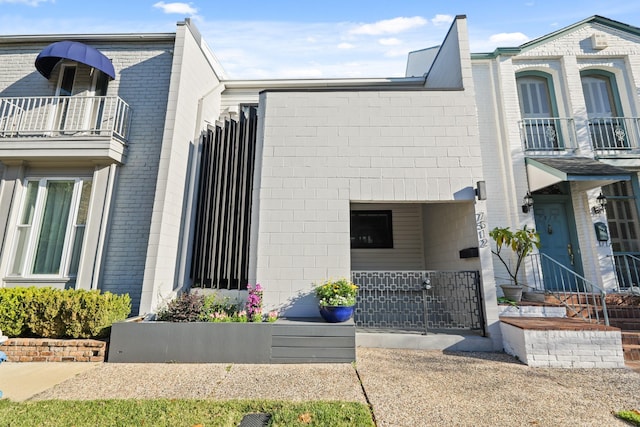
[194, 100]
[322, 151]
[564, 349]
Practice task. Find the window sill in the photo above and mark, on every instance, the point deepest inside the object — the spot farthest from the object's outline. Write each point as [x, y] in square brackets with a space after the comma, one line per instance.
[54, 282]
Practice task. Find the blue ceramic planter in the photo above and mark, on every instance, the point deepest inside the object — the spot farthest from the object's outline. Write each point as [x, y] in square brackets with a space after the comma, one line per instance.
[336, 314]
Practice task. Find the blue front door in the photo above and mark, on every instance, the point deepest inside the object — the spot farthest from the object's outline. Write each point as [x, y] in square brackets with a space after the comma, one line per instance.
[557, 241]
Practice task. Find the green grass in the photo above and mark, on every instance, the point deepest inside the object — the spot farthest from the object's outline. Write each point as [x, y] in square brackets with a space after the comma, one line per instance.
[632, 417]
[179, 412]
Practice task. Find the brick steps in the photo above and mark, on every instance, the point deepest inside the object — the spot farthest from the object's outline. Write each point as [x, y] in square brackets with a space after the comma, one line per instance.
[631, 346]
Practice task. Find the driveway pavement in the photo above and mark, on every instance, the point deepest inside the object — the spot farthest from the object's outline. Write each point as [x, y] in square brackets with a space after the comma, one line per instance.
[404, 387]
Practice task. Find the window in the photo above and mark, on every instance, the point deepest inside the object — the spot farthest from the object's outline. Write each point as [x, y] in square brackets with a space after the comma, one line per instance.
[540, 125]
[50, 227]
[371, 229]
[622, 217]
[608, 130]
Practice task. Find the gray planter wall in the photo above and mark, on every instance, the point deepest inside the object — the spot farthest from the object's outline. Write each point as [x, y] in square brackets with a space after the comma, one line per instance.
[285, 341]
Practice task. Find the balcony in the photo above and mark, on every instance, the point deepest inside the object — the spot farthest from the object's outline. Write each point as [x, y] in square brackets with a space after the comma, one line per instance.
[548, 136]
[615, 136]
[64, 127]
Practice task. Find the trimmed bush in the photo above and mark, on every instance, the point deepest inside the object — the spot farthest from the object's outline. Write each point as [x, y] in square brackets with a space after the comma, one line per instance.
[13, 316]
[55, 313]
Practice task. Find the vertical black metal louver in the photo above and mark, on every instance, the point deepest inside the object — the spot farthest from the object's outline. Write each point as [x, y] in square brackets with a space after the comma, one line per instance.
[223, 219]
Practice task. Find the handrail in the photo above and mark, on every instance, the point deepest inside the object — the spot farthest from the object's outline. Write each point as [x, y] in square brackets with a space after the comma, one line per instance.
[627, 268]
[580, 296]
[64, 116]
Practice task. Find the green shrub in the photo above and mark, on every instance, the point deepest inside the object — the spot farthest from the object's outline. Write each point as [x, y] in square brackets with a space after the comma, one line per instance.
[44, 307]
[90, 314]
[13, 316]
[55, 313]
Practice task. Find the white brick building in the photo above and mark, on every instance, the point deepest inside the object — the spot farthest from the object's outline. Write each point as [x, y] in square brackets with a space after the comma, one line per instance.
[559, 119]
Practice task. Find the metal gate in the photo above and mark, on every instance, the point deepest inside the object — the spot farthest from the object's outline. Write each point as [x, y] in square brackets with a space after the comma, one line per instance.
[423, 301]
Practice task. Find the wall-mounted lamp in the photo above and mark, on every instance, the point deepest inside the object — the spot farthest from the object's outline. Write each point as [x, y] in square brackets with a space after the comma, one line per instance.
[481, 190]
[601, 206]
[527, 202]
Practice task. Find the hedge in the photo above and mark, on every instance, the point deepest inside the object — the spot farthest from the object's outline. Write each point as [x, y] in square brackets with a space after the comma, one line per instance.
[56, 313]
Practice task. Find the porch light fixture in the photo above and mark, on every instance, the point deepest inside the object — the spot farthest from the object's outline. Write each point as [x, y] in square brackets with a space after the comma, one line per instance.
[527, 202]
[601, 206]
[481, 190]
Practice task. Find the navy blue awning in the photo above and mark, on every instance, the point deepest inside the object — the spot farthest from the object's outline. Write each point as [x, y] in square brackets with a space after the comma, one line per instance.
[76, 51]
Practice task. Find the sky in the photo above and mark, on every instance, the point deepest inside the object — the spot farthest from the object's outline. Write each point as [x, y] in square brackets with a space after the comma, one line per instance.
[258, 39]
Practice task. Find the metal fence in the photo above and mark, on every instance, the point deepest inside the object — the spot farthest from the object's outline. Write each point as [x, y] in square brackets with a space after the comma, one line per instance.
[548, 135]
[627, 268]
[419, 301]
[614, 133]
[54, 116]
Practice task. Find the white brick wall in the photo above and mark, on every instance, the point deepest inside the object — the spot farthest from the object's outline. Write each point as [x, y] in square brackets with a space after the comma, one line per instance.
[564, 349]
[563, 57]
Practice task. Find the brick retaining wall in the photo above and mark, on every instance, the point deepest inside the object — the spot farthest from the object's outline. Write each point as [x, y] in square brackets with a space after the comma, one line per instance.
[54, 350]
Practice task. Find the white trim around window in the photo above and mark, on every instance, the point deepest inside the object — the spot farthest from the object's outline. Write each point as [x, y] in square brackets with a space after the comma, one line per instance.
[49, 229]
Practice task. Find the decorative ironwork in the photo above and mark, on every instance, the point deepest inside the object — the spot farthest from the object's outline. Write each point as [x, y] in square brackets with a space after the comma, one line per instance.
[614, 133]
[419, 300]
[550, 134]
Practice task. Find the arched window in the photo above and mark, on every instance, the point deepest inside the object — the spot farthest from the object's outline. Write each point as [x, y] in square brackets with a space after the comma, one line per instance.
[607, 126]
[540, 125]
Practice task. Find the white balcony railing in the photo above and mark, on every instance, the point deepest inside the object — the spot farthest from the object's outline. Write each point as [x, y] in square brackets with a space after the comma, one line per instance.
[614, 135]
[64, 116]
[548, 135]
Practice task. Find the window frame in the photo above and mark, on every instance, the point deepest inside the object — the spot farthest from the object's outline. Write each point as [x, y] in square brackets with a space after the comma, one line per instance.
[387, 238]
[28, 253]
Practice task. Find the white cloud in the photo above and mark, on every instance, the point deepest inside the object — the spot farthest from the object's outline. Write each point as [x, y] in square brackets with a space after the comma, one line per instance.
[390, 26]
[346, 46]
[508, 39]
[33, 3]
[442, 20]
[392, 41]
[178, 8]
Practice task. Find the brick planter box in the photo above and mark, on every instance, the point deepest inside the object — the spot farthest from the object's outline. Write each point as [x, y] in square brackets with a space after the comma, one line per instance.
[562, 343]
[54, 350]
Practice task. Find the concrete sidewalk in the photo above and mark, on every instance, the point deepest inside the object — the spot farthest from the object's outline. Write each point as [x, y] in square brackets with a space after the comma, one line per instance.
[21, 381]
[404, 387]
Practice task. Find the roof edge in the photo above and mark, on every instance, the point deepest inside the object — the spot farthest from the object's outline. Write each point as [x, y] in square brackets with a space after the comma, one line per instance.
[49, 38]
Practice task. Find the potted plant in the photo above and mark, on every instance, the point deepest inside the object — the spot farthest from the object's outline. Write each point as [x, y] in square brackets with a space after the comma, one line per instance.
[521, 242]
[336, 299]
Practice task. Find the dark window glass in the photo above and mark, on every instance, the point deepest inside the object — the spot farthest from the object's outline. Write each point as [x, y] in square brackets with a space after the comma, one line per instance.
[371, 229]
